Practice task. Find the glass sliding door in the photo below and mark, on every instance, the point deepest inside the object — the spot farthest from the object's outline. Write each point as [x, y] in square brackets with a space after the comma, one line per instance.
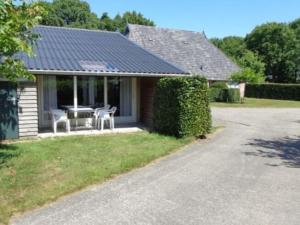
[64, 90]
[119, 94]
[57, 91]
[90, 91]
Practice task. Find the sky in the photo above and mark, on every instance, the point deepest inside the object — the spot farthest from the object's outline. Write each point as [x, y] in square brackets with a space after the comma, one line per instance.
[217, 18]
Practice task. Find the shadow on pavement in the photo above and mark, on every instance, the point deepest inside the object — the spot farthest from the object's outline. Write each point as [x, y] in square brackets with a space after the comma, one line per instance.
[287, 149]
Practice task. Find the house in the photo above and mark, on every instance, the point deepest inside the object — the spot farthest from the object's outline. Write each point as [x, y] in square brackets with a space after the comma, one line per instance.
[77, 67]
[188, 50]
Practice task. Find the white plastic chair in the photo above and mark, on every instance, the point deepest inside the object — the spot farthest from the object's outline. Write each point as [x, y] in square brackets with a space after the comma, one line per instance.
[96, 114]
[59, 116]
[107, 115]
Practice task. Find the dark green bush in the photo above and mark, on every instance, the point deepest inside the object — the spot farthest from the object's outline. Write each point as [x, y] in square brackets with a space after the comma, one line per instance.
[219, 84]
[224, 95]
[215, 94]
[232, 95]
[181, 107]
[273, 91]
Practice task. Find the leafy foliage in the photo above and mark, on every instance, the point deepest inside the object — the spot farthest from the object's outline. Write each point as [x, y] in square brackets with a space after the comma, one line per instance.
[273, 91]
[133, 18]
[215, 94]
[72, 13]
[270, 49]
[16, 22]
[278, 47]
[181, 107]
[230, 95]
[236, 49]
[295, 25]
[250, 61]
[218, 84]
[232, 46]
[77, 13]
[247, 76]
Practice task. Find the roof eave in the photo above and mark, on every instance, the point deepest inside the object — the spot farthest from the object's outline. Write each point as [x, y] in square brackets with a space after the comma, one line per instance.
[95, 73]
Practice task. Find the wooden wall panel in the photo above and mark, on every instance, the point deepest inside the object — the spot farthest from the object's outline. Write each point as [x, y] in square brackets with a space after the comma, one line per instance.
[147, 90]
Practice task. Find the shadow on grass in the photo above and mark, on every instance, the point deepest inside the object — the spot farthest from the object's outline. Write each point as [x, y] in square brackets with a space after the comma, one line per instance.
[8, 152]
[287, 149]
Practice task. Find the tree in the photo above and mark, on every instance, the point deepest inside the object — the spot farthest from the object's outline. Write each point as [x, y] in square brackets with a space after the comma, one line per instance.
[71, 13]
[119, 22]
[16, 22]
[295, 25]
[232, 46]
[77, 13]
[277, 46]
[247, 75]
[235, 48]
[106, 23]
[249, 59]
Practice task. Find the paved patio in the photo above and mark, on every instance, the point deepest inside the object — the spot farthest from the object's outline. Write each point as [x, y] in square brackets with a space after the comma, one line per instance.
[119, 128]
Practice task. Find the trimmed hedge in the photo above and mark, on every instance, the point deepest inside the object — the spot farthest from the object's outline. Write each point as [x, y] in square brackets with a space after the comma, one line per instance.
[219, 84]
[215, 94]
[181, 107]
[273, 91]
[232, 95]
[224, 95]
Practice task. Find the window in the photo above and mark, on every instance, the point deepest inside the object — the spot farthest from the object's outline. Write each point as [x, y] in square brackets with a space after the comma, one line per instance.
[90, 91]
[64, 88]
[119, 94]
[59, 91]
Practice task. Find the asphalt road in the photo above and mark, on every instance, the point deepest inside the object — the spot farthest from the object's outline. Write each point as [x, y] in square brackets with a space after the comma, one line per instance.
[248, 174]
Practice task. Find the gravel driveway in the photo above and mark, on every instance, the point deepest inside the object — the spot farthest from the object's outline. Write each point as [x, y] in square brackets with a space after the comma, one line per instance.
[249, 173]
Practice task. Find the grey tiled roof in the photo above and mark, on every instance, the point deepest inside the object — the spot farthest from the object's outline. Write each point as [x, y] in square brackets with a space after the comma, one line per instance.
[68, 49]
[189, 50]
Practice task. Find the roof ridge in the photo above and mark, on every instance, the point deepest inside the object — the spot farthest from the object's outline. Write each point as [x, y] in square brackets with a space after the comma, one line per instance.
[82, 29]
[163, 28]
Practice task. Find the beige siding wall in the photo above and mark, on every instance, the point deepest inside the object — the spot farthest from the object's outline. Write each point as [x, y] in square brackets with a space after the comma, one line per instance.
[28, 109]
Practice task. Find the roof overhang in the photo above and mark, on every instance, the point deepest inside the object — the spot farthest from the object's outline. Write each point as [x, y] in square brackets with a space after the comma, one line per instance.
[95, 73]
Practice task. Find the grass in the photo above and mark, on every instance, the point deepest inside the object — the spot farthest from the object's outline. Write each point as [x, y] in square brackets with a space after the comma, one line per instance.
[38, 172]
[260, 103]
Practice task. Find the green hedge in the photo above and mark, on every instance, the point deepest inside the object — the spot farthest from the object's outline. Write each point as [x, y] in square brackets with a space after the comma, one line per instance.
[273, 91]
[219, 84]
[181, 107]
[232, 95]
[215, 94]
[224, 95]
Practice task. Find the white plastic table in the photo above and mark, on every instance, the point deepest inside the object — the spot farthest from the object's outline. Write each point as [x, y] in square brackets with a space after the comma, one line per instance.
[79, 109]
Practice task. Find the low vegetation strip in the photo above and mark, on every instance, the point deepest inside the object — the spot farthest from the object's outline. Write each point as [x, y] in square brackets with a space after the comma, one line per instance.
[274, 91]
[260, 103]
[32, 174]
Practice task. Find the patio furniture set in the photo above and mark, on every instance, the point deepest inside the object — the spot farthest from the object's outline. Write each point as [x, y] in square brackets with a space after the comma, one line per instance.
[96, 117]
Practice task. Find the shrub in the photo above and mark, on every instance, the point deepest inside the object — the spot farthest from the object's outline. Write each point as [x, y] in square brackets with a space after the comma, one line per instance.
[181, 107]
[224, 95]
[232, 95]
[215, 94]
[273, 91]
[247, 76]
[219, 84]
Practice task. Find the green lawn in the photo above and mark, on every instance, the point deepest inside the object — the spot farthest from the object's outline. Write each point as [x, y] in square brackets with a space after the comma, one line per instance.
[37, 172]
[260, 103]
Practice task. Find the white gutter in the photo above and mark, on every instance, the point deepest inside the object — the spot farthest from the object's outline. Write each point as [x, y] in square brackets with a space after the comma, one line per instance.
[79, 73]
